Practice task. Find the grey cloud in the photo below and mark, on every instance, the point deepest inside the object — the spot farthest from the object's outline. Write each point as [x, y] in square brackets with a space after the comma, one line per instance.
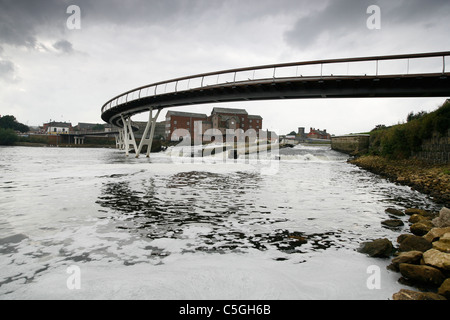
[346, 17]
[7, 70]
[21, 21]
[63, 46]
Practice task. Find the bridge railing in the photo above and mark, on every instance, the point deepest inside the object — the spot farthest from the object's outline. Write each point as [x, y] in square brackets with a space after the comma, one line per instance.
[422, 63]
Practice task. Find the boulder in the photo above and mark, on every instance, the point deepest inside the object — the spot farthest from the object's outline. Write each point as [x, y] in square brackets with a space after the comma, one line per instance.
[411, 257]
[394, 212]
[422, 274]
[417, 218]
[438, 259]
[421, 212]
[402, 237]
[421, 228]
[443, 220]
[392, 223]
[380, 248]
[405, 294]
[414, 243]
[435, 233]
[444, 289]
[443, 244]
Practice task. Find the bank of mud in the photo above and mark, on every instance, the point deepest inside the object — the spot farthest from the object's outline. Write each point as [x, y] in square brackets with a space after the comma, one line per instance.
[432, 180]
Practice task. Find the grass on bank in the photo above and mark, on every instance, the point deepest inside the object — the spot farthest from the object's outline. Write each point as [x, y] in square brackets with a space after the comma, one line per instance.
[403, 140]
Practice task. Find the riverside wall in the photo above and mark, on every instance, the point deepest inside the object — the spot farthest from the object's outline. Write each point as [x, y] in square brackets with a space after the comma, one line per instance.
[351, 144]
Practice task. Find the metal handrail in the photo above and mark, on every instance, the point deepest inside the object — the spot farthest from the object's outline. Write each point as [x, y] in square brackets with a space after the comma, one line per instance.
[114, 102]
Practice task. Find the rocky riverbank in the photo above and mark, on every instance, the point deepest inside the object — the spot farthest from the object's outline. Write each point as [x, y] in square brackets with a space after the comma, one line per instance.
[422, 257]
[433, 180]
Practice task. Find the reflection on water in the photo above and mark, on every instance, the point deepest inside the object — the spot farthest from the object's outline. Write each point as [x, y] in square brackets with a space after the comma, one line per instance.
[217, 206]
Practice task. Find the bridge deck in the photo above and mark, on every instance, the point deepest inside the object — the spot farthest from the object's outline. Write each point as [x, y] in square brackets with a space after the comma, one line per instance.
[418, 85]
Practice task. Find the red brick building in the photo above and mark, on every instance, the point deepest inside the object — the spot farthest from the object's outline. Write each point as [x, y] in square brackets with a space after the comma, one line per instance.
[182, 120]
[318, 134]
[220, 118]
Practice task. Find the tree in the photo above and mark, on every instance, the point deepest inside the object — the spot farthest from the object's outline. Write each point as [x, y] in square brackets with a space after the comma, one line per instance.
[413, 116]
[10, 122]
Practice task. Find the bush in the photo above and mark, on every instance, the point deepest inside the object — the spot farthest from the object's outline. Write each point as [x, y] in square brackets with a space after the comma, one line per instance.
[401, 141]
[7, 137]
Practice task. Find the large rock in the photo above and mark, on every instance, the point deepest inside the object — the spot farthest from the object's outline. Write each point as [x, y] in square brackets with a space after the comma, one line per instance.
[444, 289]
[438, 259]
[422, 274]
[414, 243]
[411, 257]
[394, 212]
[435, 233]
[443, 244]
[417, 218]
[380, 248]
[444, 218]
[392, 223]
[421, 228]
[421, 212]
[405, 294]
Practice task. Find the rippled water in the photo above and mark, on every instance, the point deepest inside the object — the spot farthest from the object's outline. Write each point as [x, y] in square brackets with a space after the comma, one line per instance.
[154, 229]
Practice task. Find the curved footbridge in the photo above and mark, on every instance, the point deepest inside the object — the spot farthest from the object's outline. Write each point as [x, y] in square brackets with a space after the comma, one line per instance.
[410, 75]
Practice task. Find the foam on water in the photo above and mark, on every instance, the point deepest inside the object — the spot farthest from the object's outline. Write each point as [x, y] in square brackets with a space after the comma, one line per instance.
[158, 229]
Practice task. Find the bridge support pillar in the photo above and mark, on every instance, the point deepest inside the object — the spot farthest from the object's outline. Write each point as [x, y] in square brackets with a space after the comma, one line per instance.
[128, 135]
[147, 139]
[120, 142]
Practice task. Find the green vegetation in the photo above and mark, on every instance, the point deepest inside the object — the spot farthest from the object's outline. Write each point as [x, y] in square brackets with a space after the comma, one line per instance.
[7, 137]
[8, 128]
[402, 140]
[10, 122]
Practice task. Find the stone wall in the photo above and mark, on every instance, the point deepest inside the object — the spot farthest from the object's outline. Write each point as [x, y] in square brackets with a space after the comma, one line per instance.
[435, 150]
[351, 144]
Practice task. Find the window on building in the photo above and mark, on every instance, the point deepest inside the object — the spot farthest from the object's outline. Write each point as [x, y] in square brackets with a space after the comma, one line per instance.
[175, 122]
[250, 120]
[187, 123]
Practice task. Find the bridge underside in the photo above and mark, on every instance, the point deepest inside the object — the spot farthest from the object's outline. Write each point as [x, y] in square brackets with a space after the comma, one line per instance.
[429, 85]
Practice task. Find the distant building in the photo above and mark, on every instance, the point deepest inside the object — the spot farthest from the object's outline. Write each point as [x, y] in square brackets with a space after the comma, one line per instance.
[92, 127]
[318, 134]
[220, 118]
[182, 120]
[301, 135]
[57, 127]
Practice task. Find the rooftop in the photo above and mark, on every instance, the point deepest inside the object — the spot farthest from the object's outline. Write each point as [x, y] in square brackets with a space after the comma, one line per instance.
[58, 124]
[186, 114]
[229, 110]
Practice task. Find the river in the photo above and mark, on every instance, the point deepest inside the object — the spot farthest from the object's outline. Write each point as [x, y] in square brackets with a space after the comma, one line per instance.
[159, 229]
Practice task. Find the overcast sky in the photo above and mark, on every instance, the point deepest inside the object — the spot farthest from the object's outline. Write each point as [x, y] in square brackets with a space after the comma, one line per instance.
[49, 71]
